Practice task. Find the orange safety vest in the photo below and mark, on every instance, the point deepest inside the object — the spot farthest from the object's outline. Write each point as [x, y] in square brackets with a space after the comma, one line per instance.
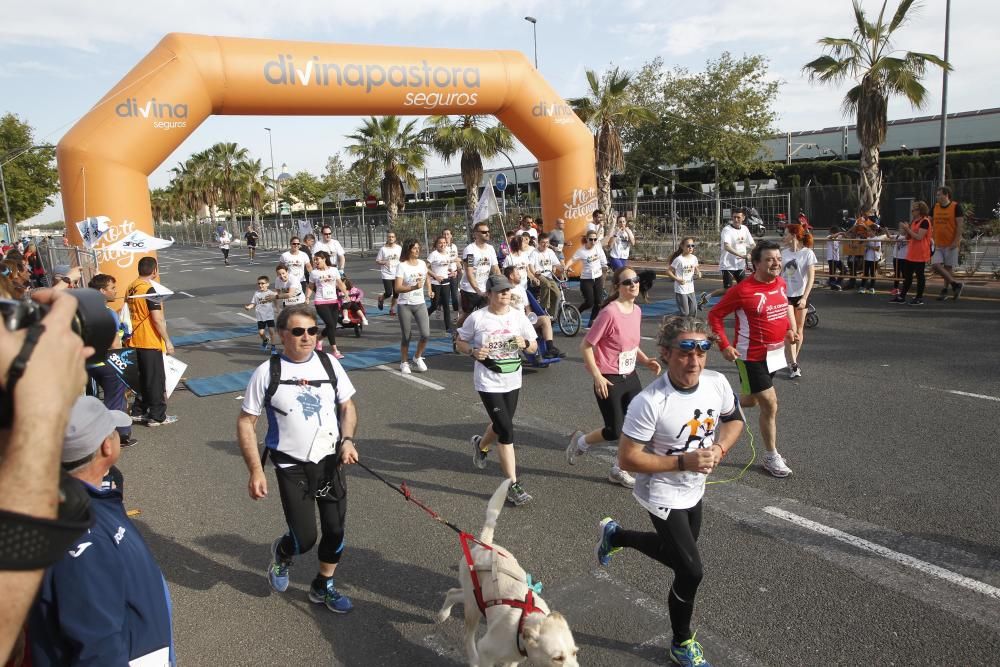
[143, 336]
[920, 251]
[945, 225]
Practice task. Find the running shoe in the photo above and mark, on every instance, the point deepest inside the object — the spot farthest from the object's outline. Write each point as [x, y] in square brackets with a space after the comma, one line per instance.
[364, 320]
[554, 352]
[392, 312]
[517, 496]
[838, 288]
[774, 463]
[607, 527]
[277, 571]
[895, 291]
[794, 371]
[620, 477]
[139, 419]
[419, 365]
[381, 302]
[957, 288]
[128, 442]
[346, 320]
[688, 654]
[404, 368]
[169, 419]
[702, 301]
[337, 354]
[916, 302]
[572, 450]
[478, 455]
[334, 601]
[943, 295]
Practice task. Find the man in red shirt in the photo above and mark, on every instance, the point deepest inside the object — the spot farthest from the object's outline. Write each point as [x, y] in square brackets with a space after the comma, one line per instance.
[763, 327]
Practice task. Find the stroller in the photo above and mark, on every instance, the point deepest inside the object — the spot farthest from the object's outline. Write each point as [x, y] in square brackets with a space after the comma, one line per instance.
[352, 309]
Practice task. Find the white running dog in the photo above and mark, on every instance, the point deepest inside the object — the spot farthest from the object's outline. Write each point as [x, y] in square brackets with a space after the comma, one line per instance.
[518, 622]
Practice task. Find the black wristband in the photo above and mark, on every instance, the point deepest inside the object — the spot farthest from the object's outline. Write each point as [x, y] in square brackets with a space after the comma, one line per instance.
[680, 462]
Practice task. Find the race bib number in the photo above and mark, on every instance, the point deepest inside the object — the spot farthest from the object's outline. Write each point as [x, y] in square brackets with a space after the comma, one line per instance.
[776, 359]
[504, 355]
[323, 444]
[626, 361]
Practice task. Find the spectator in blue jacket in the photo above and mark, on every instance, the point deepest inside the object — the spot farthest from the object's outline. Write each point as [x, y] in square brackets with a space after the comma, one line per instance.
[106, 602]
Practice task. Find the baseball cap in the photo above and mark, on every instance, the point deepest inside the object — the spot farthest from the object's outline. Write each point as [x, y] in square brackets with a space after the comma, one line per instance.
[497, 283]
[89, 424]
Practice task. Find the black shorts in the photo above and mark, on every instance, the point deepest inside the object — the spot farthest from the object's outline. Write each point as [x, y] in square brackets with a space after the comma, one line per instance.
[793, 301]
[472, 301]
[265, 324]
[754, 377]
[732, 276]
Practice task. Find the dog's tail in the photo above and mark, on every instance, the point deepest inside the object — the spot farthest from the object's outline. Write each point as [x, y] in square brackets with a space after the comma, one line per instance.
[493, 512]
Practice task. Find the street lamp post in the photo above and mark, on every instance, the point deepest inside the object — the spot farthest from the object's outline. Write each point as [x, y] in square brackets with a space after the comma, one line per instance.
[274, 176]
[6, 206]
[944, 96]
[534, 35]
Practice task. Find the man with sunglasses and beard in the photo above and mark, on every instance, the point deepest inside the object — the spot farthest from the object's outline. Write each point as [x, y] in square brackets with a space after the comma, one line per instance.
[765, 323]
[310, 437]
[670, 468]
[480, 263]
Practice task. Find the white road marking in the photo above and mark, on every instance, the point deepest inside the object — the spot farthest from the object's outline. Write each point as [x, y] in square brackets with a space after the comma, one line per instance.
[885, 552]
[962, 393]
[242, 270]
[253, 319]
[187, 294]
[421, 381]
[185, 270]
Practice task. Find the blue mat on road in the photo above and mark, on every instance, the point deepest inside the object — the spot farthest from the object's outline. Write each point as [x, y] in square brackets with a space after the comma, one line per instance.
[230, 382]
[211, 335]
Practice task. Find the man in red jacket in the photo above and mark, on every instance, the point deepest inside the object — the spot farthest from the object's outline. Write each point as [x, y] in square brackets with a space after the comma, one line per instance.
[763, 327]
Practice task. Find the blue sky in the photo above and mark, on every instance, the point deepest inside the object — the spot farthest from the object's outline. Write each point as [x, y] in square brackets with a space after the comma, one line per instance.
[60, 57]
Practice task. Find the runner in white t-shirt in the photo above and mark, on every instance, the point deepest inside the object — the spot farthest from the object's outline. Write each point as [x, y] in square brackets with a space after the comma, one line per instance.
[387, 259]
[591, 274]
[295, 260]
[480, 259]
[676, 432]
[735, 244]
[798, 268]
[412, 284]
[455, 272]
[684, 270]
[439, 265]
[332, 246]
[325, 287]
[289, 290]
[262, 303]
[544, 264]
[619, 243]
[225, 238]
[495, 336]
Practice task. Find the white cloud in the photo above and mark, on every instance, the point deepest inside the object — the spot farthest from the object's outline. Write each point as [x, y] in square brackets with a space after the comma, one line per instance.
[11, 69]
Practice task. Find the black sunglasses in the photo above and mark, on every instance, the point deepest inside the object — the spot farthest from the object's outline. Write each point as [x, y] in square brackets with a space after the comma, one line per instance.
[591, 240]
[483, 231]
[298, 331]
[629, 282]
[295, 243]
[689, 245]
[689, 345]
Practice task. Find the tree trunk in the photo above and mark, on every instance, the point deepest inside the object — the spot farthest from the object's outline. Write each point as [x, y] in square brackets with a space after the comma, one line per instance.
[604, 197]
[870, 184]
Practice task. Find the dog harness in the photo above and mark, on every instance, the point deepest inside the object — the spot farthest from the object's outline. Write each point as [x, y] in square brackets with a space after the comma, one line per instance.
[527, 605]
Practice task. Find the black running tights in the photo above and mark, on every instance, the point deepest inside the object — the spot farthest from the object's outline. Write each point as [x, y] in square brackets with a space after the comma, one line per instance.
[328, 312]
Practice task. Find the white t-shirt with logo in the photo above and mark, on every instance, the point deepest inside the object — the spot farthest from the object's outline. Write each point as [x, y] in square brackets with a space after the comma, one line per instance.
[333, 248]
[519, 298]
[620, 245]
[483, 329]
[296, 264]
[795, 269]
[439, 264]
[390, 255]
[224, 240]
[306, 409]
[543, 261]
[264, 309]
[669, 421]
[481, 260]
[684, 266]
[412, 275]
[324, 282]
[594, 261]
[523, 261]
[742, 240]
[293, 287]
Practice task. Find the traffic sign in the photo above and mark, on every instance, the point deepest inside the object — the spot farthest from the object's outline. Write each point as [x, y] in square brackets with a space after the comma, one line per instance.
[501, 182]
[371, 201]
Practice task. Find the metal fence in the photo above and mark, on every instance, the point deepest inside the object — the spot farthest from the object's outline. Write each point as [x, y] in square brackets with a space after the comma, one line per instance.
[53, 254]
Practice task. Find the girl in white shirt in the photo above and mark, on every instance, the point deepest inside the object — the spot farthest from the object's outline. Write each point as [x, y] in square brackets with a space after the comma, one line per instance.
[684, 269]
[591, 275]
[798, 263]
[387, 260]
[411, 283]
[325, 283]
[440, 264]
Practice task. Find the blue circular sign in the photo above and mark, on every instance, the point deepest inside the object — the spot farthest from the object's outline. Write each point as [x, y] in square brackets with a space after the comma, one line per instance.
[501, 182]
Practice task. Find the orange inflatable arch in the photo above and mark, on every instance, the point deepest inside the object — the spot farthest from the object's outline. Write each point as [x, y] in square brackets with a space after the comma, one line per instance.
[106, 158]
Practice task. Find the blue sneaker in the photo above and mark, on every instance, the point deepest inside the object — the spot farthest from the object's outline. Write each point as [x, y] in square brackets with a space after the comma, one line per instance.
[604, 550]
[334, 601]
[277, 571]
[688, 654]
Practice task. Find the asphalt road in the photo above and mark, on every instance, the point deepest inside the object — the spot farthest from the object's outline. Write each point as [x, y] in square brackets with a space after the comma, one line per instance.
[883, 547]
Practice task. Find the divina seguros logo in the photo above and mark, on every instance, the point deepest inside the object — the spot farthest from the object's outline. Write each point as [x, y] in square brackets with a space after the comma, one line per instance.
[285, 71]
[560, 112]
[165, 115]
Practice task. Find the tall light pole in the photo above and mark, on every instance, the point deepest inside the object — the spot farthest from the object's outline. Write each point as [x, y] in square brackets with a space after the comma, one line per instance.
[534, 35]
[944, 95]
[274, 176]
[6, 206]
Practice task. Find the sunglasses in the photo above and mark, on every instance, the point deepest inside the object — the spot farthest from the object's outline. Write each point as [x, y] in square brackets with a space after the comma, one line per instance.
[689, 245]
[261, 284]
[327, 233]
[298, 331]
[689, 345]
[629, 282]
[295, 243]
[591, 240]
[483, 231]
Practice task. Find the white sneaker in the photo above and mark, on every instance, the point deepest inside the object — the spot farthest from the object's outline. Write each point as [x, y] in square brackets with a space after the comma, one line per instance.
[418, 365]
[364, 320]
[794, 371]
[619, 476]
[775, 464]
[404, 368]
[572, 450]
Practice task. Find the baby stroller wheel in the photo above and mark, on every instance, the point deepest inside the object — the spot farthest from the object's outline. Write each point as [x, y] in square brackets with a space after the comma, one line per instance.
[812, 319]
[357, 330]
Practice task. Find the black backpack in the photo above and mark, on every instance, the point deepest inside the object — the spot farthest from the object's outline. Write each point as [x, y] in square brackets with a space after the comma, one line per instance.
[276, 381]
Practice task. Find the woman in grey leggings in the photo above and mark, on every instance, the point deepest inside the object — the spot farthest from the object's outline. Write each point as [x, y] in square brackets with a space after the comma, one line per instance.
[684, 269]
[411, 283]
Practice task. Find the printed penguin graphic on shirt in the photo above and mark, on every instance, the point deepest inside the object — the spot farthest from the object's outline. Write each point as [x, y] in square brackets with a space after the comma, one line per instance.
[701, 432]
[306, 400]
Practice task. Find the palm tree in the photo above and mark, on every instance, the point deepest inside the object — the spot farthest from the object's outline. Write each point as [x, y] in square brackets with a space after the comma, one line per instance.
[393, 153]
[225, 159]
[607, 110]
[879, 71]
[474, 139]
